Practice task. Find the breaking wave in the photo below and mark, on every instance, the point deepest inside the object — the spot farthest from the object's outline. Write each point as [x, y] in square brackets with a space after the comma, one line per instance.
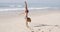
[32, 8]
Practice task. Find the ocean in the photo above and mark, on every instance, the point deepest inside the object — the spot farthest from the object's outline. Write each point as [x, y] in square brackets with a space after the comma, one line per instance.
[11, 8]
[31, 5]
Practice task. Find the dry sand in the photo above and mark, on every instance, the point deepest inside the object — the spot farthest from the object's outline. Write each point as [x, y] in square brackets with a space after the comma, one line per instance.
[16, 23]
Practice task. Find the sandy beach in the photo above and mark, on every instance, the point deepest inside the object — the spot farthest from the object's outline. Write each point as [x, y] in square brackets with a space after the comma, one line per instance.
[16, 23]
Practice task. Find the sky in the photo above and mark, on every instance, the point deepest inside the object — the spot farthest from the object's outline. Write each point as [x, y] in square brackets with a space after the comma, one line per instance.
[30, 1]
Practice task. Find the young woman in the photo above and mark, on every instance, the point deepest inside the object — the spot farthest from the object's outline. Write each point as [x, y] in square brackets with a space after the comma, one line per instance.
[26, 15]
